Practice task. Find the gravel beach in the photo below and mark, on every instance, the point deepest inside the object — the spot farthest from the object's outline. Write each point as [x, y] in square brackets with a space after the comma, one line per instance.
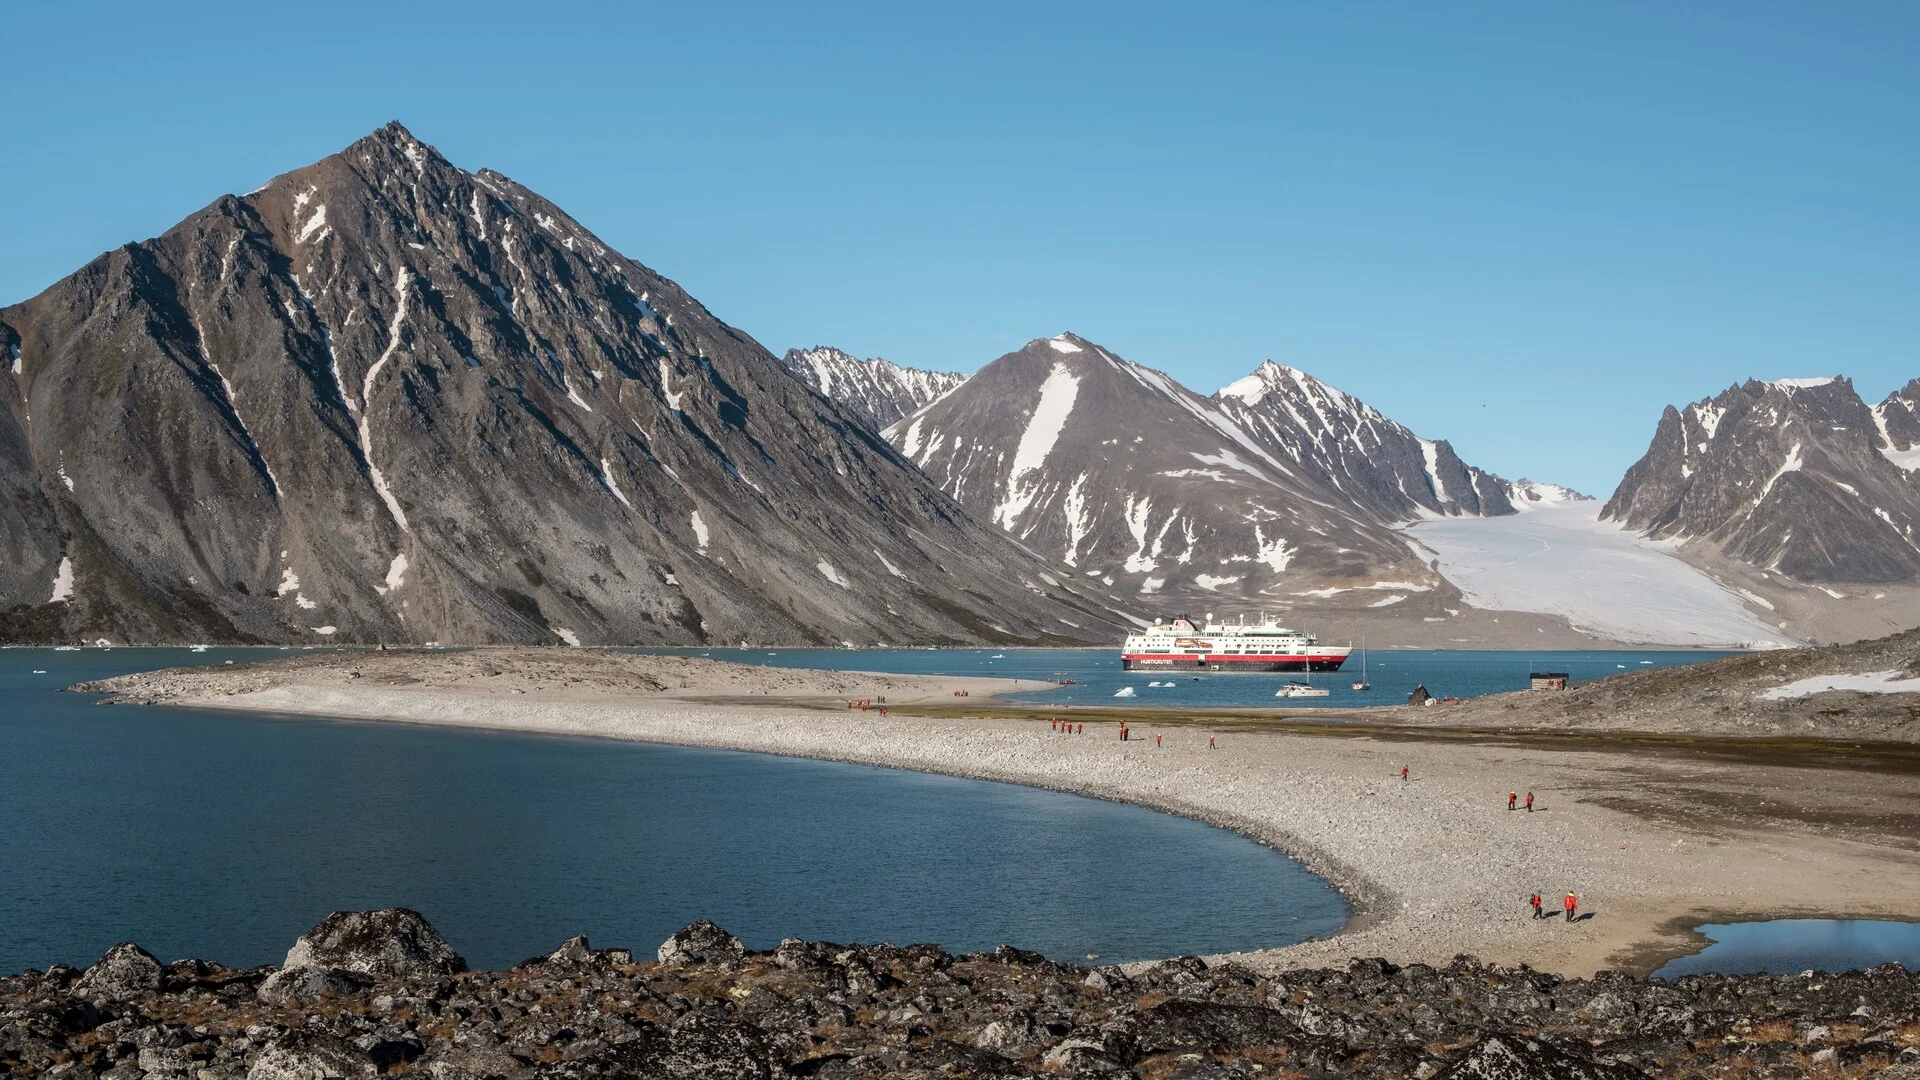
[1435, 865]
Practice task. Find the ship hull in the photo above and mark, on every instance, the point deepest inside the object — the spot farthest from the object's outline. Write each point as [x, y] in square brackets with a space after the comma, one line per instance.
[1318, 660]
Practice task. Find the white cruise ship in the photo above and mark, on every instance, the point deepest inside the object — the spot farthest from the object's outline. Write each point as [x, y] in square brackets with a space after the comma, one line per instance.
[1263, 646]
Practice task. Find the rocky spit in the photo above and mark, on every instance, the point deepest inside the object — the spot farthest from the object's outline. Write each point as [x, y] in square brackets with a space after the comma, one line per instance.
[379, 993]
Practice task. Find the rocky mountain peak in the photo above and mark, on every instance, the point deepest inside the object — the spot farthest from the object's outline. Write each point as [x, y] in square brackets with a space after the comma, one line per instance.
[1119, 471]
[1365, 457]
[880, 391]
[1790, 476]
[383, 398]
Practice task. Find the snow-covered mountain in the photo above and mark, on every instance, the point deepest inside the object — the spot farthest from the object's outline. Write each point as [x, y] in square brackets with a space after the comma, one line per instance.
[1373, 462]
[1117, 470]
[1796, 478]
[1525, 494]
[880, 391]
[386, 399]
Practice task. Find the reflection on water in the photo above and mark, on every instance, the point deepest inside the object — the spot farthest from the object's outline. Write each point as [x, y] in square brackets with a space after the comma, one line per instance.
[1789, 946]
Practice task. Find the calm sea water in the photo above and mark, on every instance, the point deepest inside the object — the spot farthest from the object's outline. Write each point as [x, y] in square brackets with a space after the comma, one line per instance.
[224, 837]
[1097, 676]
[1790, 946]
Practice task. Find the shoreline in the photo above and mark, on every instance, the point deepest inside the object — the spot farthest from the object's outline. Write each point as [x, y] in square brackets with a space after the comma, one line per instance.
[1418, 885]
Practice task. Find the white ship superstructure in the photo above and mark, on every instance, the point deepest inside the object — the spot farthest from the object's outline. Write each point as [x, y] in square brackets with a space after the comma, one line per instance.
[1181, 645]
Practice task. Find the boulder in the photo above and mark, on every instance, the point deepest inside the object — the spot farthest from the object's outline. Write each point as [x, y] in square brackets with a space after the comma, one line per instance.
[308, 983]
[312, 1057]
[388, 943]
[1499, 1057]
[701, 943]
[126, 971]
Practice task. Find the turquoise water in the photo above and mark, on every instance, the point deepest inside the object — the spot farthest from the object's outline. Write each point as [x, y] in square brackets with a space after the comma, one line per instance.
[223, 837]
[1790, 946]
[1097, 676]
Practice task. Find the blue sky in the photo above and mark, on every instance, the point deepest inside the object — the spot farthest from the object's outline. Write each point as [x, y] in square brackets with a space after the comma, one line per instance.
[1520, 227]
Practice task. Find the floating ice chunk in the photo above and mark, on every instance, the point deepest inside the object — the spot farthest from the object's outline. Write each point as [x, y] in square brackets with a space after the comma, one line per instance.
[63, 583]
[1125, 691]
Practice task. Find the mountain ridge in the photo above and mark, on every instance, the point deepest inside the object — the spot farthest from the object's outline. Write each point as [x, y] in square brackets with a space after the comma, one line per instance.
[382, 398]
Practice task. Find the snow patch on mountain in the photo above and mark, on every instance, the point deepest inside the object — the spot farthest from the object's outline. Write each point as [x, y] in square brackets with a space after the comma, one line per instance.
[1050, 414]
[1870, 682]
[62, 583]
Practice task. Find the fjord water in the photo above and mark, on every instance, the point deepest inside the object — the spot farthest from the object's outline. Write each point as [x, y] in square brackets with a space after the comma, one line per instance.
[224, 836]
[1097, 676]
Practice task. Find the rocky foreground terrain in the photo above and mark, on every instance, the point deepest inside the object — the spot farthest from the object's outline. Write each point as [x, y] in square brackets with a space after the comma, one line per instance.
[366, 994]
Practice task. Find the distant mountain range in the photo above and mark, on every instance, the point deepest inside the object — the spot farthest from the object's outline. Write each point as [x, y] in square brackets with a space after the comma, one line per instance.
[1276, 488]
[878, 391]
[386, 399]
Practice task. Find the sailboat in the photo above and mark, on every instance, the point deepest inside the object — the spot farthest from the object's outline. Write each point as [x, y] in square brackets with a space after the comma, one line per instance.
[1361, 683]
[1302, 688]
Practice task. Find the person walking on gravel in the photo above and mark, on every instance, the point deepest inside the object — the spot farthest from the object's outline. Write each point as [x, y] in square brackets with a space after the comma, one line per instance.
[1572, 907]
[1529, 802]
[1403, 774]
[1535, 901]
[1513, 797]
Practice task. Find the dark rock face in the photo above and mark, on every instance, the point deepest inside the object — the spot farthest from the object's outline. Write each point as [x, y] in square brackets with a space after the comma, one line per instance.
[1130, 478]
[1378, 465]
[878, 391]
[126, 971]
[700, 943]
[388, 943]
[386, 399]
[825, 1010]
[1793, 477]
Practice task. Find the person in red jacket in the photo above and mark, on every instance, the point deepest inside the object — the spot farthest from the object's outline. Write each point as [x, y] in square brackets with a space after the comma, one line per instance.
[1529, 802]
[1535, 901]
[1572, 906]
[1512, 798]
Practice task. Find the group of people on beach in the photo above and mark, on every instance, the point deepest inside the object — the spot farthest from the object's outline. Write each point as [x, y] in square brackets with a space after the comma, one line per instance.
[1067, 728]
[1513, 801]
[1570, 905]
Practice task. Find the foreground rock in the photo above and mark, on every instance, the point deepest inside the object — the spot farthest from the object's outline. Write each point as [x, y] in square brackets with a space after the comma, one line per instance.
[392, 942]
[825, 1010]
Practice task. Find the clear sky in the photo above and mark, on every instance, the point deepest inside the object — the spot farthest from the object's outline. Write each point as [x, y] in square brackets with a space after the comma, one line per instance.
[1521, 227]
